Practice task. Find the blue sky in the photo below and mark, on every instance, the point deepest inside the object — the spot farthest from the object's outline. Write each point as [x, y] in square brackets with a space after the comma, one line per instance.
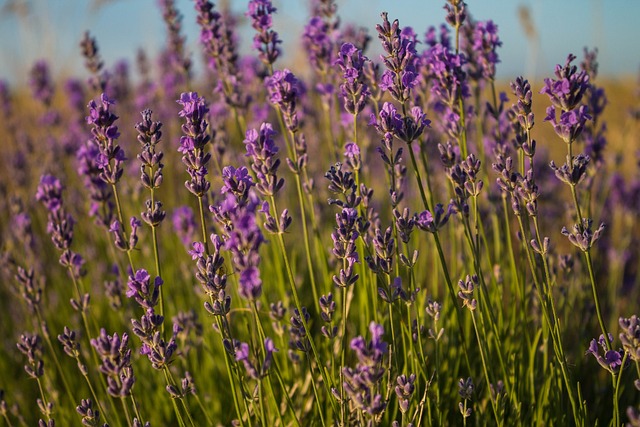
[53, 28]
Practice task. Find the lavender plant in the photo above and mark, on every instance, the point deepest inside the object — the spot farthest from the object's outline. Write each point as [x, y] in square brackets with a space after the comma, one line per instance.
[424, 258]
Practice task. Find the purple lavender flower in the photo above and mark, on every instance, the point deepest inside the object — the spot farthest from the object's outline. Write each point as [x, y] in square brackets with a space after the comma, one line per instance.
[40, 82]
[428, 222]
[404, 390]
[449, 84]
[583, 237]
[175, 62]
[31, 346]
[389, 123]
[612, 359]
[93, 63]
[237, 182]
[485, 44]
[90, 416]
[100, 193]
[115, 355]
[140, 288]
[630, 336]
[262, 149]
[344, 247]
[194, 141]
[566, 90]
[49, 192]
[570, 124]
[105, 133]
[317, 42]
[400, 76]
[159, 352]
[184, 224]
[466, 292]
[266, 40]
[29, 286]
[242, 355]
[352, 155]
[283, 88]
[360, 384]
[456, 12]
[354, 90]
[216, 37]
[220, 46]
[60, 224]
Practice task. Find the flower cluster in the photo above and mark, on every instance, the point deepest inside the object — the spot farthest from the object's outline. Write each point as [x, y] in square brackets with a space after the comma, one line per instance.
[115, 354]
[194, 141]
[401, 76]
[565, 93]
[262, 149]
[361, 382]
[243, 237]
[149, 134]
[354, 90]
[612, 359]
[60, 223]
[266, 40]
[344, 246]
[105, 133]
[283, 90]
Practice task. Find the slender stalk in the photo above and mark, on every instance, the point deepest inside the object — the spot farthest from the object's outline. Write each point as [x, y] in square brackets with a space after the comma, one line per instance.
[443, 262]
[296, 299]
[484, 368]
[116, 197]
[203, 225]
[596, 300]
[616, 390]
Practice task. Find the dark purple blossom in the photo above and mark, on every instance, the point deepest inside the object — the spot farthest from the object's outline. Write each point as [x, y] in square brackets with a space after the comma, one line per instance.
[630, 336]
[566, 91]
[115, 355]
[612, 359]
[433, 222]
[184, 224]
[262, 149]
[31, 346]
[389, 122]
[570, 124]
[60, 225]
[242, 354]
[40, 82]
[317, 42]
[110, 156]
[266, 40]
[404, 390]
[355, 91]
[142, 290]
[193, 142]
[93, 63]
[456, 12]
[175, 62]
[467, 287]
[361, 383]
[90, 416]
[582, 236]
[283, 89]
[400, 58]
[344, 247]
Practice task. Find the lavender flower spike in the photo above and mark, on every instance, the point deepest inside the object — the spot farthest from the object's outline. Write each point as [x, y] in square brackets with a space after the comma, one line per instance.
[266, 40]
[194, 141]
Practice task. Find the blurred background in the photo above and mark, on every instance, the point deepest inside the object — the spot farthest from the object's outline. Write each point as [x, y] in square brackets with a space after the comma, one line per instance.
[536, 34]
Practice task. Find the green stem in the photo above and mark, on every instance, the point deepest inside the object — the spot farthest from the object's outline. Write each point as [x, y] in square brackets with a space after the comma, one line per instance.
[596, 300]
[203, 225]
[484, 368]
[296, 299]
